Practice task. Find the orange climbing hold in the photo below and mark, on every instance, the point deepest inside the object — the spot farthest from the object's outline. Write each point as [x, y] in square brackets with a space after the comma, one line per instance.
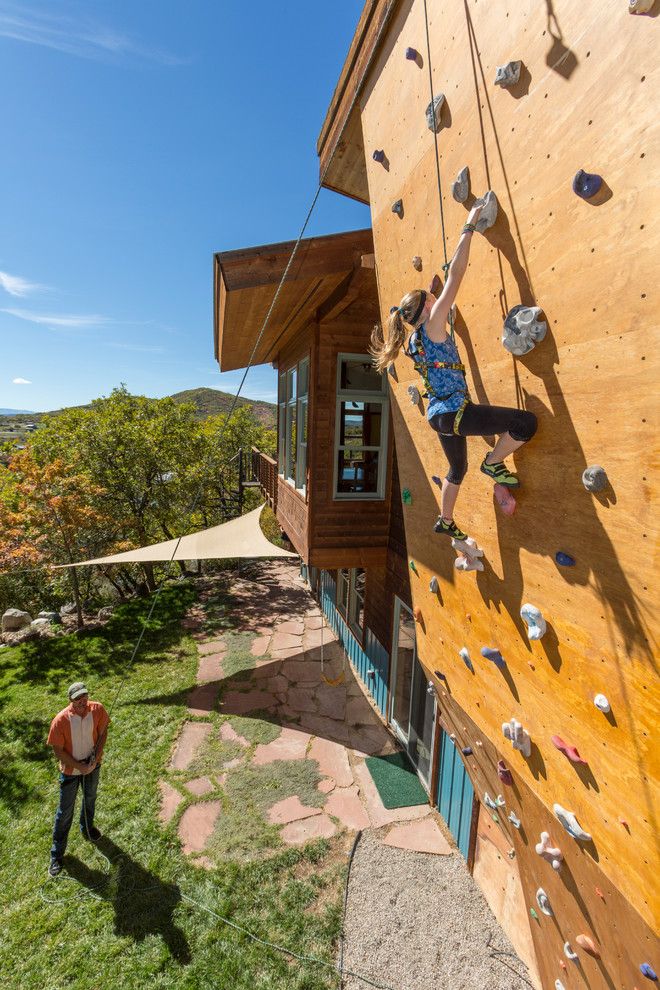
[589, 946]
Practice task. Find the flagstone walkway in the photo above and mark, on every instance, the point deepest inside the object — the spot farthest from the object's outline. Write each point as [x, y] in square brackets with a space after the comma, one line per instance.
[270, 726]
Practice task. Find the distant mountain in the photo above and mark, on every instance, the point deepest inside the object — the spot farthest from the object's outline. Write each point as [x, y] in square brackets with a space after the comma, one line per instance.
[16, 412]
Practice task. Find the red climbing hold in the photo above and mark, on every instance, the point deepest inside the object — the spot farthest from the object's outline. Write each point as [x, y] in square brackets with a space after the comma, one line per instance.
[505, 499]
[569, 751]
[504, 773]
[599, 893]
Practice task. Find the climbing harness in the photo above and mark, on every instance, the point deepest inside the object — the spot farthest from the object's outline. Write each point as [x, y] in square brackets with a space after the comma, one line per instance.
[415, 350]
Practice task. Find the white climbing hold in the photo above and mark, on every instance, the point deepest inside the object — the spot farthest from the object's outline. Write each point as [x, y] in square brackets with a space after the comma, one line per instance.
[434, 585]
[460, 189]
[513, 818]
[640, 6]
[518, 736]
[509, 74]
[465, 657]
[550, 853]
[523, 329]
[568, 952]
[594, 478]
[488, 215]
[413, 392]
[468, 547]
[468, 564]
[602, 704]
[488, 801]
[434, 112]
[536, 624]
[543, 901]
[559, 985]
[568, 821]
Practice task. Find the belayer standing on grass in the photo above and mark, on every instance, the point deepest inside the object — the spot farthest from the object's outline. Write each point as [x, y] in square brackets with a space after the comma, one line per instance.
[451, 413]
[77, 735]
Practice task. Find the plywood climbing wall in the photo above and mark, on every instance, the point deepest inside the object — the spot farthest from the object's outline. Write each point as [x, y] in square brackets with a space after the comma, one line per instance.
[585, 100]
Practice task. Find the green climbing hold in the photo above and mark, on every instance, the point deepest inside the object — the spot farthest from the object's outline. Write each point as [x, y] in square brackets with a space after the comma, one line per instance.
[533, 913]
[496, 817]
[406, 496]
[412, 566]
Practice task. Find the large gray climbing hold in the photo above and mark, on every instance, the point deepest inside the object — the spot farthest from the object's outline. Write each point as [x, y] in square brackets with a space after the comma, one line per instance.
[523, 329]
[460, 189]
[543, 901]
[413, 393]
[594, 478]
[489, 212]
[536, 624]
[509, 74]
[640, 6]
[434, 112]
[568, 821]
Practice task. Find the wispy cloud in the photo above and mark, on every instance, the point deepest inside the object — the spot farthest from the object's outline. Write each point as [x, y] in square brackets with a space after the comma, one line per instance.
[16, 285]
[79, 36]
[67, 321]
[21, 381]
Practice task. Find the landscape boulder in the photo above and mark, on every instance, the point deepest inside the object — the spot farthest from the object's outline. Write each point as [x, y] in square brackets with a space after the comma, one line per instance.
[20, 636]
[38, 624]
[14, 619]
[53, 617]
[105, 612]
[68, 609]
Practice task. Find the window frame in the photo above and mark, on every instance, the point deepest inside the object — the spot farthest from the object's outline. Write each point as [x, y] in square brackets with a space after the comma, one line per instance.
[293, 406]
[380, 396]
[346, 598]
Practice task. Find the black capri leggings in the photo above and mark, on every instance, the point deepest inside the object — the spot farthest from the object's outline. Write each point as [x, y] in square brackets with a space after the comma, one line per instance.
[479, 421]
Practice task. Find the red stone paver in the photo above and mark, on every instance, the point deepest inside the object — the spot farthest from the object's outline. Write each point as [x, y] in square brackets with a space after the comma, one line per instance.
[266, 668]
[331, 700]
[240, 702]
[277, 684]
[345, 804]
[212, 646]
[292, 651]
[424, 836]
[301, 699]
[285, 641]
[170, 799]
[328, 728]
[294, 626]
[229, 734]
[210, 668]
[318, 827]
[259, 646]
[359, 711]
[291, 744]
[327, 785]
[197, 824]
[313, 622]
[291, 809]
[332, 760]
[378, 813]
[193, 735]
[199, 786]
[371, 740]
[202, 699]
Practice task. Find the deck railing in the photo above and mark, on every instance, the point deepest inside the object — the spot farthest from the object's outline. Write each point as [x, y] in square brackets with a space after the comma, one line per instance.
[264, 470]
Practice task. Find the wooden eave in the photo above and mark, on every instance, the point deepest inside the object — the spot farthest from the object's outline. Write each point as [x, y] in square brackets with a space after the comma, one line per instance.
[340, 146]
[245, 283]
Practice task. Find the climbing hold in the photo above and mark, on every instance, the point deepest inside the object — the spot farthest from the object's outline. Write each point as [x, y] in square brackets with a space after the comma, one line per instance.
[379, 155]
[488, 801]
[599, 893]
[504, 773]
[523, 329]
[586, 184]
[467, 751]
[594, 478]
[504, 499]
[518, 736]
[434, 112]
[434, 585]
[533, 913]
[509, 74]
[465, 657]
[495, 817]
[488, 214]
[559, 985]
[647, 970]
[391, 370]
[515, 821]
[438, 673]
[564, 559]
[465, 563]
[406, 496]
[413, 566]
[469, 553]
[511, 853]
[460, 189]
[536, 625]
[640, 6]
[414, 395]
[436, 480]
[551, 853]
[411, 54]
[417, 263]
[569, 751]
[418, 615]
[494, 656]
[589, 946]
[568, 820]
[568, 952]
[479, 742]
[563, 964]
[543, 902]
[602, 704]
[398, 207]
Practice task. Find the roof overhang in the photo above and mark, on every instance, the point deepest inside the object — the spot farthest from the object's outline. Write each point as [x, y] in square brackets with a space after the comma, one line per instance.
[246, 281]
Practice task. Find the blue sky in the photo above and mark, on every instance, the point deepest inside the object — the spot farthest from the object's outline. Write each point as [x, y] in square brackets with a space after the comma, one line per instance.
[139, 138]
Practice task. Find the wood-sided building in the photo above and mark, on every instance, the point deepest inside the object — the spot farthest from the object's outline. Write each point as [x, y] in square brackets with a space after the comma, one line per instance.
[584, 100]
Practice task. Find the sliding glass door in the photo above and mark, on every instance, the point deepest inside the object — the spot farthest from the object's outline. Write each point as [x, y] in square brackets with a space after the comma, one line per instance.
[412, 706]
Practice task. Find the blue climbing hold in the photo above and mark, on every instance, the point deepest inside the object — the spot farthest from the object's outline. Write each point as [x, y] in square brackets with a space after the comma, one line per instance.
[411, 54]
[648, 971]
[494, 656]
[586, 184]
[467, 751]
[378, 156]
[564, 559]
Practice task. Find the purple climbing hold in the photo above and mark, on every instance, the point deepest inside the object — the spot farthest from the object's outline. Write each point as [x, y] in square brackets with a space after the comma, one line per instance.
[378, 156]
[467, 751]
[586, 184]
[398, 207]
[436, 480]
[494, 656]
[411, 54]
[504, 773]
[648, 971]
[564, 559]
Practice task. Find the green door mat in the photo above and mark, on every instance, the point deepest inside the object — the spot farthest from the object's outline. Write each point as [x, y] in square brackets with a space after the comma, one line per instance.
[396, 781]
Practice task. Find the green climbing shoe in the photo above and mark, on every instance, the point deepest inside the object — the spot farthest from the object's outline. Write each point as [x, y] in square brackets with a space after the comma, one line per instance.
[449, 529]
[500, 473]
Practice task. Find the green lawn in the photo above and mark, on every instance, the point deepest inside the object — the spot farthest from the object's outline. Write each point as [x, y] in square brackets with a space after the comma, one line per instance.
[129, 923]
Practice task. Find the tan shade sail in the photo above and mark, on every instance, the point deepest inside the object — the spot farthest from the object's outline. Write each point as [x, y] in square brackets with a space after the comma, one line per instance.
[240, 537]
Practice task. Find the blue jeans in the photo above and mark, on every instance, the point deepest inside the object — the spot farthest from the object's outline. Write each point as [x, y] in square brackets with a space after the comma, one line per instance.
[64, 816]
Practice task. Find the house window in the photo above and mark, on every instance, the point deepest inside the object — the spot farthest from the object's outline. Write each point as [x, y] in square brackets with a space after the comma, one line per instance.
[361, 428]
[292, 400]
[350, 597]
[343, 586]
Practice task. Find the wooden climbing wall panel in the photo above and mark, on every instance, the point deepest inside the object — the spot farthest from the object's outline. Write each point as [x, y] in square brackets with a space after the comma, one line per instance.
[585, 100]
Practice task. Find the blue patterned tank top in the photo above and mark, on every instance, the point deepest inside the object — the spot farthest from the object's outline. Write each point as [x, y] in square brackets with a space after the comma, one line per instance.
[446, 387]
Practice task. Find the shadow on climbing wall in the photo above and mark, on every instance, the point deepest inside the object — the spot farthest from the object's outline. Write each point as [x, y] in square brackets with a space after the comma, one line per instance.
[559, 57]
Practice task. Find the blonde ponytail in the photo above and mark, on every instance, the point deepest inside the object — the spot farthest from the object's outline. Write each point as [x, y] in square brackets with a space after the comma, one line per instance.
[386, 346]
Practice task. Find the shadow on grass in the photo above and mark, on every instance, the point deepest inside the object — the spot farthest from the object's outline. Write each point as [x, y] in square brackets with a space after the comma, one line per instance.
[21, 740]
[144, 904]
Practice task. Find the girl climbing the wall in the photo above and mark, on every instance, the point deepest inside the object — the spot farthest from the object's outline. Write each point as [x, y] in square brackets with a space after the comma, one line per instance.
[451, 413]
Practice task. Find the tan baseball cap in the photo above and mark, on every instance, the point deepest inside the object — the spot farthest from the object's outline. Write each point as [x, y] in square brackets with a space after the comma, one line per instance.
[77, 690]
